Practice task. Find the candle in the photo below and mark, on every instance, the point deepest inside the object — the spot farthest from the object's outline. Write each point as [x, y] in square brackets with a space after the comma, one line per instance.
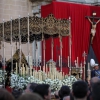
[68, 61]
[59, 60]
[23, 70]
[46, 69]
[40, 67]
[16, 67]
[77, 61]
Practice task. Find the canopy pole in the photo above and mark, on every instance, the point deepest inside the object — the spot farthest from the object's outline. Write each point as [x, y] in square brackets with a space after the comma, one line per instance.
[19, 48]
[28, 48]
[12, 70]
[70, 43]
[3, 55]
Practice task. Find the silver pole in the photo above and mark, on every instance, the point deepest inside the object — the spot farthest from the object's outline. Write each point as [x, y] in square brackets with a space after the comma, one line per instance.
[44, 50]
[11, 49]
[36, 48]
[70, 45]
[19, 48]
[61, 53]
[28, 46]
[52, 44]
[3, 54]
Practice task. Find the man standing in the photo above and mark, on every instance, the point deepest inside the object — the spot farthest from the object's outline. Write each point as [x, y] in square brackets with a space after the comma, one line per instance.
[95, 71]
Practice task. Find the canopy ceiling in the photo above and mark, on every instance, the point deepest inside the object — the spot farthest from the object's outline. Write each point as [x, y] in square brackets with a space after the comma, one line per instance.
[39, 28]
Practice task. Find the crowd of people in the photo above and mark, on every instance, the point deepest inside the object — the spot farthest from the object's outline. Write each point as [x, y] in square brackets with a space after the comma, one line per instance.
[80, 91]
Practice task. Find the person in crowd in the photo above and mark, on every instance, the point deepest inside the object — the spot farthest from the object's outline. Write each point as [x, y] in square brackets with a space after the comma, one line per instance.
[5, 95]
[95, 71]
[64, 92]
[80, 90]
[30, 96]
[92, 82]
[30, 87]
[44, 91]
[66, 98]
[96, 91]
[16, 93]
[56, 95]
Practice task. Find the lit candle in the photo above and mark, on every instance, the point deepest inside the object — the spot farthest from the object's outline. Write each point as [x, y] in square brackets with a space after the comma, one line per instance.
[59, 60]
[68, 61]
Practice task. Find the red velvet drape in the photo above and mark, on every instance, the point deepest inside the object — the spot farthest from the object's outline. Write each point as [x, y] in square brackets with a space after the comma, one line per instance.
[80, 28]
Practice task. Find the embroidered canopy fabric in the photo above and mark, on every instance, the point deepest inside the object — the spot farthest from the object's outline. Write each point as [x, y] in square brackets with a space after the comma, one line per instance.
[39, 28]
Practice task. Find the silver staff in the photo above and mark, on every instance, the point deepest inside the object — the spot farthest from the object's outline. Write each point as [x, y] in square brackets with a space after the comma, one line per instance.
[36, 49]
[61, 53]
[60, 40]
[70, 44]
[28, 46]
[11, 50]
[3, 54]
[19, 48]
[44, 51]
[52, 45]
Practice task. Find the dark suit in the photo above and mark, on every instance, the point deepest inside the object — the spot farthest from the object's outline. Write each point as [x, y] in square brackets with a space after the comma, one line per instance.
[95, 73]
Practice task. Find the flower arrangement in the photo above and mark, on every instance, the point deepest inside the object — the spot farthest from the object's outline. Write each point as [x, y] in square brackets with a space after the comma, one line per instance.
[21, 82]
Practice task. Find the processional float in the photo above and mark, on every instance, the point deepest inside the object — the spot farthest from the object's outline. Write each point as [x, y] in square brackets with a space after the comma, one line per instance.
[33, 28]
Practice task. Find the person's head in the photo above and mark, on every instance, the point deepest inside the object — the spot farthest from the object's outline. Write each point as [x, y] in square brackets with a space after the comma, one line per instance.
[80, 89]
[66, 98]
[94, 80]
[64, 91]
[5, 95]
[30, 87]
[30, 96]
[96, 67]
[56, 95]
[44, 91]
[16, 93]
[96, 91]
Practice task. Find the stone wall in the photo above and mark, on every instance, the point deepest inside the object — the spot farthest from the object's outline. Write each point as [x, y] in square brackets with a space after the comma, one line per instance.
[14, 8]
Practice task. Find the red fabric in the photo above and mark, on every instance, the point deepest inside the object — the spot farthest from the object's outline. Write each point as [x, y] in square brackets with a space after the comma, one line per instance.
[80, 29]
[9, 89]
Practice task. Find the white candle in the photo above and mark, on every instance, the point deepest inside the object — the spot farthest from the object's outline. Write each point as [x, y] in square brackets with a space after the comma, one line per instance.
[77, 61]
[46, 69]
[16, 67]
[68, 61]
[59, 60]
[40, 67]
